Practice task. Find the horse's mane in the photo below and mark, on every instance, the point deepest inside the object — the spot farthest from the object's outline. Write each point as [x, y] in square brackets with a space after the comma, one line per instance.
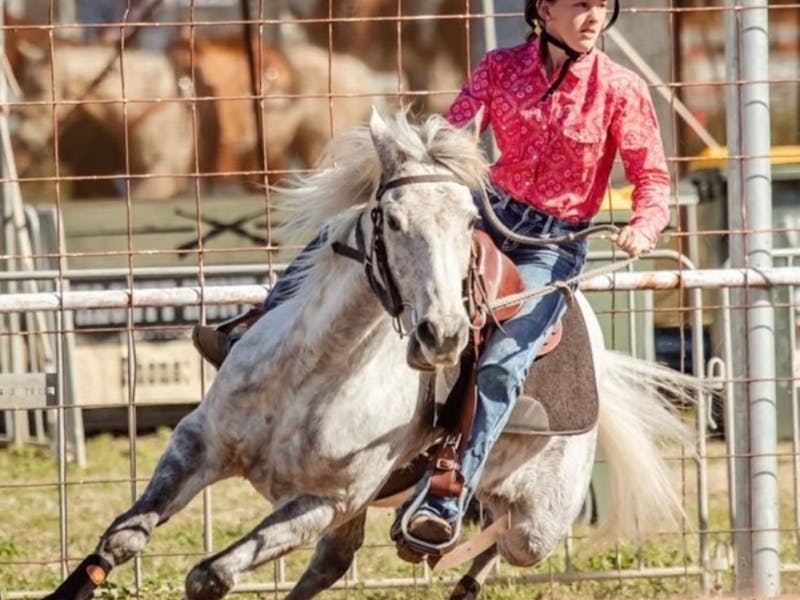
[349, 171]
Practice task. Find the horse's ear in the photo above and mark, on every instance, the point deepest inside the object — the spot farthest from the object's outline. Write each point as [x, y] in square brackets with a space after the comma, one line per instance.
[382, 140]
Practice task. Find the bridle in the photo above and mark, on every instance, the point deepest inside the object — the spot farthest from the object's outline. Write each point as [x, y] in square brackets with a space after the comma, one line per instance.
[375, 259]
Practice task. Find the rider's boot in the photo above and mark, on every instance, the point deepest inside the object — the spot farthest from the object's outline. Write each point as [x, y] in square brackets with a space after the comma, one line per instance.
[214, 343]
[430, 527]
[427, 527]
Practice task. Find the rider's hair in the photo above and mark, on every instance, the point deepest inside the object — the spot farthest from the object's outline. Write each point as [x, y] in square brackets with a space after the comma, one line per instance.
[532, 16]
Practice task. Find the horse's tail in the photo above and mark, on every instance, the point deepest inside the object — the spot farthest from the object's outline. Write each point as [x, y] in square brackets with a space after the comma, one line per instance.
[638, 424]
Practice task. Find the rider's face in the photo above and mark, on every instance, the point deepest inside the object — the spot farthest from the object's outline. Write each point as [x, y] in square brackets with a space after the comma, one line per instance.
[577, 23]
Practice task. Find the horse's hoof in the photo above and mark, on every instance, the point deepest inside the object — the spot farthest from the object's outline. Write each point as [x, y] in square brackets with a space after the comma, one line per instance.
[466, 589]
[204, 583]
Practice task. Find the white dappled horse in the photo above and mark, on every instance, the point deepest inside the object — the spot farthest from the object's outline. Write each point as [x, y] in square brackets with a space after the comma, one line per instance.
[317, 405]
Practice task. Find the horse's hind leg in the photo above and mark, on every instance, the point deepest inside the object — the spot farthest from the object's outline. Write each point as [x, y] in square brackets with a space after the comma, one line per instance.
[470, 584]
[183, 470]
[332, 557]
[296, 522]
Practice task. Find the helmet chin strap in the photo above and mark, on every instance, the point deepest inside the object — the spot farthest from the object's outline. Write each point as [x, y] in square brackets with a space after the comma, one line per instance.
[572, 56]
[532, 17]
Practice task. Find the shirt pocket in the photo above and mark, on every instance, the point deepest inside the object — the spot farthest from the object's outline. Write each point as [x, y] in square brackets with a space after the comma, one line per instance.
[583, 146]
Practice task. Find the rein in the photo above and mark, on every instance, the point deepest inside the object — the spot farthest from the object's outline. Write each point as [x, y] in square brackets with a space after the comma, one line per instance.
[532, 241]
[566, 285]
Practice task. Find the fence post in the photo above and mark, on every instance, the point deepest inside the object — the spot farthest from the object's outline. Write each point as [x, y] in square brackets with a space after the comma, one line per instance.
[750, 212]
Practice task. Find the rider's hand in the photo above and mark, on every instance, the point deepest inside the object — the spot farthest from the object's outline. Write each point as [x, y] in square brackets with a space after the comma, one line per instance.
[632, 241]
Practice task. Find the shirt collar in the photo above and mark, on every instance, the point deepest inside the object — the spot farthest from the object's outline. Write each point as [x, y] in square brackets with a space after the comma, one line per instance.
[577, 70]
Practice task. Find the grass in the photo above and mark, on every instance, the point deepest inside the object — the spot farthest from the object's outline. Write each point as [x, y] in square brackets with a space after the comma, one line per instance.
[30, 538]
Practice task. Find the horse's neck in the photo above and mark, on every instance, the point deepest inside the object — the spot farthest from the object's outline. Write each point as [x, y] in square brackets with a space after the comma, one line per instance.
[338, 312]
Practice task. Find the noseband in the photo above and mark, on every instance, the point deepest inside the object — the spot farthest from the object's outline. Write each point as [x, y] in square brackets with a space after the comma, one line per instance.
[376, 259]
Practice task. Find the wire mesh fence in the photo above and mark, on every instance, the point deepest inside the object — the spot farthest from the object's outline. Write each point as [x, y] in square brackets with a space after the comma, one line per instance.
[139, 140]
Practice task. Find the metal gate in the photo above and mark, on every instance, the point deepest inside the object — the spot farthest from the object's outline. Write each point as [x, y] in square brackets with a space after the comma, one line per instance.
[130, 252]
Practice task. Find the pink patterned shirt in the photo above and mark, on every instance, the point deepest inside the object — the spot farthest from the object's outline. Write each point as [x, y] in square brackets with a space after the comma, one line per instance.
[557, 154]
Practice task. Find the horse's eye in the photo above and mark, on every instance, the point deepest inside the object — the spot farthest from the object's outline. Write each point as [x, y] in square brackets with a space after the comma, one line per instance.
[393, 223]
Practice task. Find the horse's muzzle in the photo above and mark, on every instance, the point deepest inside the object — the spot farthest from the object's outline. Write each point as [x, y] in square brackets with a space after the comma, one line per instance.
[437, 343]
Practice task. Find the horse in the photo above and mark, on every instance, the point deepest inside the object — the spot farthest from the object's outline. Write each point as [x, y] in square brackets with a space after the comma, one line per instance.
[153, 134]
[318, 404]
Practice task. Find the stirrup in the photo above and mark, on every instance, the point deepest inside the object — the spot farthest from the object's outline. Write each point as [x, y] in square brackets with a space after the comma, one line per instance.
[402, 536]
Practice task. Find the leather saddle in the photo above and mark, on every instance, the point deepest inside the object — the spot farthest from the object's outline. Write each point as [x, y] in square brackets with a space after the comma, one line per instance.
[494, 276]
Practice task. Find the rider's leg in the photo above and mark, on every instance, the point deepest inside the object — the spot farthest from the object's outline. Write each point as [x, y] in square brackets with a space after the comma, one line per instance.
[502, 370]
[214, 343]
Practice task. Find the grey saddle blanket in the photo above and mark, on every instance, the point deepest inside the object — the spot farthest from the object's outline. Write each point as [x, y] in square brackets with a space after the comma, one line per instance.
[560, 394]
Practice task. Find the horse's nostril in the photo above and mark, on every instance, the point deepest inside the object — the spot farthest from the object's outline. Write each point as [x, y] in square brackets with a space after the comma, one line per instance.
[427, 334]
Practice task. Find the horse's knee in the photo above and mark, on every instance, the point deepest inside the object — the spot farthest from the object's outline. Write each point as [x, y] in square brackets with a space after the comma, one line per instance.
[337, 564]
[205, 582]
[126, 537]
[521, 547]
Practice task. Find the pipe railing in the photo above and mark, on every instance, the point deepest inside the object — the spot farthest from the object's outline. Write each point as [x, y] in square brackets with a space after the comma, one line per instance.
[244, 294]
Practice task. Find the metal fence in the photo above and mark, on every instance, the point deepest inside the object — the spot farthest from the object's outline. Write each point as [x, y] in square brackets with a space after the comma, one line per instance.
[110, 256]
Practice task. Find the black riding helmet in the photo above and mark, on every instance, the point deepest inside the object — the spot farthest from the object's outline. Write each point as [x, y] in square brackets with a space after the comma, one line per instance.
[535, 21]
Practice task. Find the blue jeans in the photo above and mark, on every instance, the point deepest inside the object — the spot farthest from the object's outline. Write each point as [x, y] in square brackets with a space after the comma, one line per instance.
[284, 287]
[510, 351]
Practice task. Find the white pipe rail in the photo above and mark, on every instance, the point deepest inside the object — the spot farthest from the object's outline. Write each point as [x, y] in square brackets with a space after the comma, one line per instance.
[252, 294]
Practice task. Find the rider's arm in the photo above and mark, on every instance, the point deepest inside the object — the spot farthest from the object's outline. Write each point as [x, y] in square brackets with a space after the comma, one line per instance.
[475, 94]
[635, 129]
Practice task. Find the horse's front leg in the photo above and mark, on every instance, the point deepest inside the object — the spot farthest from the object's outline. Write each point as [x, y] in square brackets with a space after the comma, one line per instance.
[332, 557]
[294, 523]
[186, 467]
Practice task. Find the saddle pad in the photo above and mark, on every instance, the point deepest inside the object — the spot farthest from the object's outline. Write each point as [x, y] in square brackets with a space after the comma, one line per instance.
[560, 394]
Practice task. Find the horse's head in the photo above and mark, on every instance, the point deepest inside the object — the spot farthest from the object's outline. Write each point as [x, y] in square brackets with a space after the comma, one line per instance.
[422, 218]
